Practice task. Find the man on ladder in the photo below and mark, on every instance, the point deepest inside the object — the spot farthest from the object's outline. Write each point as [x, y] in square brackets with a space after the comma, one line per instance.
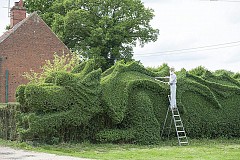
[173, 87]
[180, 131]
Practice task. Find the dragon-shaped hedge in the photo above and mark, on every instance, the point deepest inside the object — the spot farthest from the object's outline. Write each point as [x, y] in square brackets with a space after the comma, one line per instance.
[125, 104]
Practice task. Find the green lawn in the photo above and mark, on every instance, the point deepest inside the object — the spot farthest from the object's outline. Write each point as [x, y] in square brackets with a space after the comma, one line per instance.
[220, 149]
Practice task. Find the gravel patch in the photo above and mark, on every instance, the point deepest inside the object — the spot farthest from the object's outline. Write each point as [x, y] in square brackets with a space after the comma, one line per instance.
[7, 153]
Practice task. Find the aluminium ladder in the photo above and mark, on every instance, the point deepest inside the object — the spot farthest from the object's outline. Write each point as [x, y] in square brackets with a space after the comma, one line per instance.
[180, 131]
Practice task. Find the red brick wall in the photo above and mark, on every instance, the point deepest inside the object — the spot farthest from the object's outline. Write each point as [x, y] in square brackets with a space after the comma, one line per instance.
[26, 48]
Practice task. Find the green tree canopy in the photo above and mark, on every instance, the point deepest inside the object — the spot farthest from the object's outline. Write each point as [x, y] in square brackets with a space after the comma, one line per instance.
[106, 30]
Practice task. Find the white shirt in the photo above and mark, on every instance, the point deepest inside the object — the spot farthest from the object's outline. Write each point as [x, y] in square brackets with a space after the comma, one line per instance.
[173, 78]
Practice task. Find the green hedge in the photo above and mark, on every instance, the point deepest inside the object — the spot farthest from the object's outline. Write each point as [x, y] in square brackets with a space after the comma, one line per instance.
[129, 98]
[61, 108]
[8, 121]
[126, 104]
[213, 111]
[208, 102]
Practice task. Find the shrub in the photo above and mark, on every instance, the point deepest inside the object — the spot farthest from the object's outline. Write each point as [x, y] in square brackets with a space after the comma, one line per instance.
[64, 62]
[61, 107]
[126, 104]
[8, 121]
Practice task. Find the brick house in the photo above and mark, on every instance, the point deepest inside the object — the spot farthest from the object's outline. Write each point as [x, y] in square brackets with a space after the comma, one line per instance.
[27, 45]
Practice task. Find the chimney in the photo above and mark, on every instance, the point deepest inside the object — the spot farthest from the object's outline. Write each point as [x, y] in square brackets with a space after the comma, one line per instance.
[18, 13]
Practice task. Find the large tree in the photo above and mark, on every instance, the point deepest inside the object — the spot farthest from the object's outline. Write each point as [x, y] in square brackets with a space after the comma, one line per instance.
[106, 30]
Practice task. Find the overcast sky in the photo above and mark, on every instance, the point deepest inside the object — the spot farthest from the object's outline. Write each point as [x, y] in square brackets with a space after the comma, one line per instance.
[192, 33]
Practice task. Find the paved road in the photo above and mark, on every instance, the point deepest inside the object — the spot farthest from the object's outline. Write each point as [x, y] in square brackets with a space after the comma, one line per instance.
[7, 153]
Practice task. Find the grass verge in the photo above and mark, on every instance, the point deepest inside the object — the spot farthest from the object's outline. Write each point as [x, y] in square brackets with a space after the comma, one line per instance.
[203, 149]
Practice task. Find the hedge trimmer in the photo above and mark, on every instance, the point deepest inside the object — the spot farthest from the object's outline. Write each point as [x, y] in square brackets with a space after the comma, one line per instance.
[158, 79]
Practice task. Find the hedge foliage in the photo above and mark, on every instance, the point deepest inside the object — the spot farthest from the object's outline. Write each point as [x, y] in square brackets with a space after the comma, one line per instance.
[126, 104]
[61, 107]
[211, 104]
[8, 114]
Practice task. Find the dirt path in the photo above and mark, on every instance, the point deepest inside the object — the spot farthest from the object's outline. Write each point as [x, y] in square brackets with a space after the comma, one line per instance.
[7, 153]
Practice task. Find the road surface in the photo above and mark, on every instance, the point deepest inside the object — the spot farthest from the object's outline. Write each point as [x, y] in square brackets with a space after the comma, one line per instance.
[7, 153]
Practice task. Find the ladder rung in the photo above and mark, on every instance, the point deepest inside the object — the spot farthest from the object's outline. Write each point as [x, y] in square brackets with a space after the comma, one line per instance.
[182, 137]
[181, 134]
[179, 126]
[180, 131]
[178, 121]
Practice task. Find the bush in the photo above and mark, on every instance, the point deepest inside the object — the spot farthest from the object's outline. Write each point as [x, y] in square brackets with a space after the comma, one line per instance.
[211, 105]
[126, 104]
[61, 107]
[132, 99]
[129, 98]
[8, 121]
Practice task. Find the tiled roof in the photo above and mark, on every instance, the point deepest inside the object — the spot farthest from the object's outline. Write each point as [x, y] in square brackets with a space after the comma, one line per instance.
[12, 30]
